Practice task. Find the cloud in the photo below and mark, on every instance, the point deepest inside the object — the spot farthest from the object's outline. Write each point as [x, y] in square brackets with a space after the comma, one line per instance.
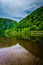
[33, 6]
[18, 9]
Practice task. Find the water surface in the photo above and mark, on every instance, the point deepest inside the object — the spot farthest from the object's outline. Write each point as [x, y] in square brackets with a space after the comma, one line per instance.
[20, 52]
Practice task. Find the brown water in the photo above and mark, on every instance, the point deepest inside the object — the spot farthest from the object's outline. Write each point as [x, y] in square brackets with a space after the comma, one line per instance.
[26, 54]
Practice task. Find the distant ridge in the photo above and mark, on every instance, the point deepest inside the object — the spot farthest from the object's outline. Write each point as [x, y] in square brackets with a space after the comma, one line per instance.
[6, 24]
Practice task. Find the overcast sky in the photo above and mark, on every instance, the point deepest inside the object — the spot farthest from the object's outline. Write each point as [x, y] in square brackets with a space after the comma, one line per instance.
[18, 9]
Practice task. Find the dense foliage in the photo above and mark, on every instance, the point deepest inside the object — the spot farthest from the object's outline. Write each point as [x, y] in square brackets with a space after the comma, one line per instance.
[30, 28]
[33, 22]
[6, 24]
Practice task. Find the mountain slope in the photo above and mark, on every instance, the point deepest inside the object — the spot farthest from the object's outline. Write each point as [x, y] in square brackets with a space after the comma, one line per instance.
[6, 24]
[34, 21]
[32, 25]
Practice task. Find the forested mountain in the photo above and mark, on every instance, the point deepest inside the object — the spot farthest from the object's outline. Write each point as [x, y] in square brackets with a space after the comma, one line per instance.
[6, 24]
[30, 28]
[34, 21]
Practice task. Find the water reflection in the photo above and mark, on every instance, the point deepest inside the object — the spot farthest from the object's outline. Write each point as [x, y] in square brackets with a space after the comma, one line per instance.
[17, 55]
[31, 47]
[5, 42]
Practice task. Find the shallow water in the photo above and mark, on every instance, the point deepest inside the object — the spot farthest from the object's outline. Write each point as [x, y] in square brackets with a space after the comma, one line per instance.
[11, 53]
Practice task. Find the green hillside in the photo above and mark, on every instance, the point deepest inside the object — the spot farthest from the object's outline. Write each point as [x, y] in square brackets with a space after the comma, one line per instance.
[33, 22]
[6, 24]
[30, 28]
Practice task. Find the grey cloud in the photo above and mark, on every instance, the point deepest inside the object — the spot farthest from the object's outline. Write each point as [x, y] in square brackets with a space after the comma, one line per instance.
[18, 10]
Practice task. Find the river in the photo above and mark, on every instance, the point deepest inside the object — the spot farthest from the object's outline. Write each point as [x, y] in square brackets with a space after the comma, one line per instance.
[20, 52]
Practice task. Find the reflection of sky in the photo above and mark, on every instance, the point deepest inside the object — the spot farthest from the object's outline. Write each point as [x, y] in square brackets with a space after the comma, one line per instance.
[18, 9]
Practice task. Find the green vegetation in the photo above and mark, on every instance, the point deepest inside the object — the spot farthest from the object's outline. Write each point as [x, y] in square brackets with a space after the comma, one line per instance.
[33, 22]
[6, 24]
[30, 28]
